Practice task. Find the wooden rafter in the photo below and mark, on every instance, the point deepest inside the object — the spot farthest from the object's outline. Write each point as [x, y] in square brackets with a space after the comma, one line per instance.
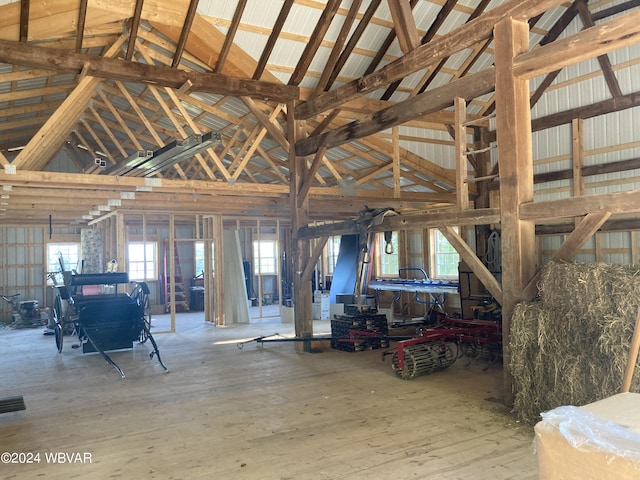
[56, 129]
[133, 27]
[337, 46]
[24, 20]
[425, 55]
[184, 34]
[273, 37]
[314, 42]
[603, 60]
[353, 40]
[82, 18]
[404, 24]
[228, 41]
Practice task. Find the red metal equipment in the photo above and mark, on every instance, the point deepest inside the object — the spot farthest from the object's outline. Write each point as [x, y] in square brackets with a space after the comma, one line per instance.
[437, 348]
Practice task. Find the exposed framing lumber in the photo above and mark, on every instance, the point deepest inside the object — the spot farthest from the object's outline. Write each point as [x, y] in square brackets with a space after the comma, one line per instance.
[471, 259]
[599, 40]
[135, 25]
[404, 24]
[314, 42]
[82, 18]
[56, 129]
[351, 44]
[513, 119]
[337, 46]
[468, 87]
[184, 34]
[587, 227]
[460, 136]
[273, 38]
[303, 323]
[105, 67]
[603, 60]
[24, 21]
[425, 55]
[228, 41]
[615, 203]
[482, 216]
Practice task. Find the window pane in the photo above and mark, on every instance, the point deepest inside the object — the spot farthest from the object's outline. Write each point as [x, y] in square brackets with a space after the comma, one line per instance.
[446, 257]
[70, 253]
[265, 254]
[142, 261]
[389, 262]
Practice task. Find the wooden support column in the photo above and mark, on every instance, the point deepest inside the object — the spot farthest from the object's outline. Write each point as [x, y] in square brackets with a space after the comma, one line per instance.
[218, 267]
[513, 116]
[462, 187]
[396, 162]
[577, 137]
[302, 294]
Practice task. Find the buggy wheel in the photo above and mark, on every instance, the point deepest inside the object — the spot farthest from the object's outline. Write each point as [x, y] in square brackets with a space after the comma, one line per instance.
[59, 337]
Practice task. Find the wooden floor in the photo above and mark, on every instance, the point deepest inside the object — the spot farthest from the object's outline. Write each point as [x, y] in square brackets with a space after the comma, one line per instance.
[260, 412]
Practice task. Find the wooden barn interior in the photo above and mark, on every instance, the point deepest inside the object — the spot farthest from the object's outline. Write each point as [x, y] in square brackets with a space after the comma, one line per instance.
[252, 176]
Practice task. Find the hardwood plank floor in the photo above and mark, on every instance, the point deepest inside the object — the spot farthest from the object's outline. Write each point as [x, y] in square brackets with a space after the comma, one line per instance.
[260, 412]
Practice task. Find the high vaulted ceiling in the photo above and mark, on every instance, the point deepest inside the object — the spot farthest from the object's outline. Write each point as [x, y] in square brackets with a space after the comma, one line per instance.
[89, 89]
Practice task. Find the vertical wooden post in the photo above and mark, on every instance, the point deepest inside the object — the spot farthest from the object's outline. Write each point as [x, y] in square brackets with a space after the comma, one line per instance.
[513, 116]
[172, 270]
[218, 266]
[577, 135]
[396, 162]
[462, 187]
[302, 294]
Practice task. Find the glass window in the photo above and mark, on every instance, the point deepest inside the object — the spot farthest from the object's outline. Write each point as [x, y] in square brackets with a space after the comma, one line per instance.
[199, 257]
[333, 248]
[445, 257]
[142, 261]
[68, 253]
[388, 258]
[265, 257]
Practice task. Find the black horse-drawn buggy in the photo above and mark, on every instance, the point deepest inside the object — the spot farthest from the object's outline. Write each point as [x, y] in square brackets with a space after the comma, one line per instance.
[104, 319]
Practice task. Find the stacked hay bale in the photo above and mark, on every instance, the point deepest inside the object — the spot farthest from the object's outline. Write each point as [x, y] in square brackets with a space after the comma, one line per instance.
[571, 346]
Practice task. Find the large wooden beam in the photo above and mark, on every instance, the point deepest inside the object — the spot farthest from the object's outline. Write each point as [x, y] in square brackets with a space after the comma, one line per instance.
[620, 32]
[116, 69]
[468, 87]
[620, 202]
[471, 259]
[43, 146]
[482, 216]
[426, 55]
[583, 231]
[302, 294]
[513, 120]
[404, 24]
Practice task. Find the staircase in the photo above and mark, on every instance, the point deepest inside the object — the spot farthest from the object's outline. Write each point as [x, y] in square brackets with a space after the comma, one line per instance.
[181, 300]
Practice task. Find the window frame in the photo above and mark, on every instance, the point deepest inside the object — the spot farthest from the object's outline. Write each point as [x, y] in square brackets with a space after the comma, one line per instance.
[382, 259]
[57, 278]
[144, 278]
[435, 253]
[258, 267]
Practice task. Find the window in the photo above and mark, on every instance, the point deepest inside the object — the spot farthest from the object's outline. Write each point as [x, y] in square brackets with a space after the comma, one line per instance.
[388, 259]
[265, 257]
[445, 259]
[199, 257]
[142, 261]
[70, 255]
[332, 251]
